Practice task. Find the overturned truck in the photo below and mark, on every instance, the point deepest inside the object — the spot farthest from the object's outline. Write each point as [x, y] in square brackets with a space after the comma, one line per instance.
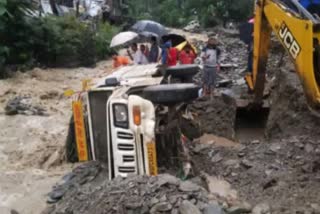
[130, 120]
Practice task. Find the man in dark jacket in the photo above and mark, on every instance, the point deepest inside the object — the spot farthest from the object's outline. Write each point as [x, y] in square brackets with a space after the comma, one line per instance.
[154, 51]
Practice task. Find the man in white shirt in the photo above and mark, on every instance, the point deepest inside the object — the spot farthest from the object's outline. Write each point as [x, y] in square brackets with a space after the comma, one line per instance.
[137, 56]
[210, 56]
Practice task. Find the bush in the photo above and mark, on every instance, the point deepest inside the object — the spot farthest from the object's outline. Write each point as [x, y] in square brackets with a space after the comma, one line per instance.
[52, 41]
[65, 41]
[176, 13]
[103, 38]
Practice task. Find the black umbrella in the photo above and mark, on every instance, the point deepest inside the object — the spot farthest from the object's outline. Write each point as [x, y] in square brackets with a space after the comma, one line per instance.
[146, 36]
[246, 31]
[174, 38]
[149, 26]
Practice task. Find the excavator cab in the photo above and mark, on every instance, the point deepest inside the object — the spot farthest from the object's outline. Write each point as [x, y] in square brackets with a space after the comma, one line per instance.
[299, 32]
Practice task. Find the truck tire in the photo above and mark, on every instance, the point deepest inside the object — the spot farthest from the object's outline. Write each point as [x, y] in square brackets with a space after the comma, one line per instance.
[71, 147]
[183, 71]
[171, 94]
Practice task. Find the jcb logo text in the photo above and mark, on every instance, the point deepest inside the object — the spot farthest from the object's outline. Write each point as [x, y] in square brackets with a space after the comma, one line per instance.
[289, 41]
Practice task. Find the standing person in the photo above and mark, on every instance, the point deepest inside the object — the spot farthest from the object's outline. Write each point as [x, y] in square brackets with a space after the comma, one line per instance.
[137, 57]
[210, 56]
[154, 51]
[164, 52]
[120, 60]
[187, 55]
[172, 56]
[145, 53]
[250, 47]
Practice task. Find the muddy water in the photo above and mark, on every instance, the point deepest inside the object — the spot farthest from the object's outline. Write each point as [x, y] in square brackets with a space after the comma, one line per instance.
[32, 147]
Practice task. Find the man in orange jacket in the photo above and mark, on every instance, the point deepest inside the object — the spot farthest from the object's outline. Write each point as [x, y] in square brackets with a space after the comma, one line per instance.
[120, 61]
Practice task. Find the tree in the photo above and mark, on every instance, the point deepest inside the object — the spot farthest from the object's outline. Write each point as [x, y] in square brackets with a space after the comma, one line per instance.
[178, 12]
[54, 7]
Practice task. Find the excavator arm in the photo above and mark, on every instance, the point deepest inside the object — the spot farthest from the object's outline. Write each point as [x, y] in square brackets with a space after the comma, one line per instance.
[299, 33]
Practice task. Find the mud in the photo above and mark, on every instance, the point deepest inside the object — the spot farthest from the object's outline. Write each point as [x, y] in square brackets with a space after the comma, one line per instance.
[289, 112]
[32, 146]
[215, 115]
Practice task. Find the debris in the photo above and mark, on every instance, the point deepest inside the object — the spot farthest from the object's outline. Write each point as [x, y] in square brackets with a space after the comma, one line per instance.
[187, 207]
[192, 26]
[224, 83]
[213, 209]
[80, 175]
[315, 207]
[220, 187]
[240, 209]
[161, 207]
[247, 164]
[270, 183]
[153, 201]
[199, 147]
[241, 154]
[255, 141]
[217, 120]
[162, 193]
[262, 208]
[201, 205]
[173, 199]
[217, 158]
[49, 95]
[275, 147]
[164, 179]
[23, 105]
[187, 186]
[232, 162]
[289, 108]
[229, 65]
[217, 141]
[55, 159]
[308, 148]
[175, 211]
[240, 81]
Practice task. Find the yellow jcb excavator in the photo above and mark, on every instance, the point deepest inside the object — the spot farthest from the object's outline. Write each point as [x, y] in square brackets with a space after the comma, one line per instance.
[299, 32]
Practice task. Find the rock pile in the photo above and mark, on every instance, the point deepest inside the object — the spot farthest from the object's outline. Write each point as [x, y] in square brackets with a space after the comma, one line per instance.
[23, 105]
[87, 190]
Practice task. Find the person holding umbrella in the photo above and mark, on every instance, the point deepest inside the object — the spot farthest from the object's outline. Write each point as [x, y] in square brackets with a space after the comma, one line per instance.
[187, 55]
[172, 56]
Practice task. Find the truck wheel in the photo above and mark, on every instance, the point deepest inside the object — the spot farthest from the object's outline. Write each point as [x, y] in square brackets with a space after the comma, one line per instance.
[71, 147]
[171, 94]
[183, 70]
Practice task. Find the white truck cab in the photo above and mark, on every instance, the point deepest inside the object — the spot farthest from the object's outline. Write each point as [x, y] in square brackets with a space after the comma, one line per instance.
[120, 117]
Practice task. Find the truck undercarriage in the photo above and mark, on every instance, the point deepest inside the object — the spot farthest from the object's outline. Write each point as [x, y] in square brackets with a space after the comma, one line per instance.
[132, 120]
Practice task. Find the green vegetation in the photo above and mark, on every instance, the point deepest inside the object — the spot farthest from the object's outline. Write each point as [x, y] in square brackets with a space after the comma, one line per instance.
[26, 40]
[177, 13]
